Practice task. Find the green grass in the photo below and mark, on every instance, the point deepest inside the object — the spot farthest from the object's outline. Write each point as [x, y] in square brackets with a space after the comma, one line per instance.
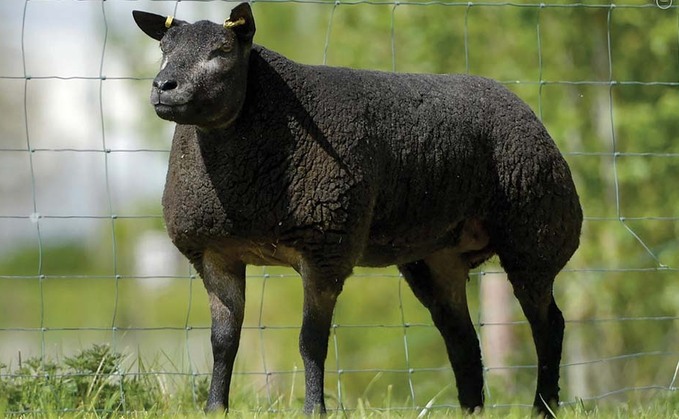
[93, 384]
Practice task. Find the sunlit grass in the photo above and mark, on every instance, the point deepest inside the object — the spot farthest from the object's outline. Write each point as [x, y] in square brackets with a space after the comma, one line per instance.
[92, 383]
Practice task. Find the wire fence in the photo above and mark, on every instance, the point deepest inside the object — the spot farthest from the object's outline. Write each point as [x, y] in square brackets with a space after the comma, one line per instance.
[84, 259]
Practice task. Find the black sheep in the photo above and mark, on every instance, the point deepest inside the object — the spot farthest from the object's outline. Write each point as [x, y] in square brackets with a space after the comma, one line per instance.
[324, 169]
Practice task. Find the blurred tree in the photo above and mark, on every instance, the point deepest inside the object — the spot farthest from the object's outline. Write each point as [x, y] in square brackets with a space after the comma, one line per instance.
[604, 81]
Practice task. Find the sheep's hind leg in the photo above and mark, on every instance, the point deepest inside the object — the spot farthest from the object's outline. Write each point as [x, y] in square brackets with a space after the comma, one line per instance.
[225, 284]
[321, 290]
[439, 282]
[534, 292]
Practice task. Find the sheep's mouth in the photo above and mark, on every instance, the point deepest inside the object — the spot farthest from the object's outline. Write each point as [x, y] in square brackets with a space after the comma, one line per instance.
[170, 105]
[170, 108]
[170, 112]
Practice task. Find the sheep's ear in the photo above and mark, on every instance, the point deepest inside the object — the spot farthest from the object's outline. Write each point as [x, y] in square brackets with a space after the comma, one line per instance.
[242, 22]
[154, 25]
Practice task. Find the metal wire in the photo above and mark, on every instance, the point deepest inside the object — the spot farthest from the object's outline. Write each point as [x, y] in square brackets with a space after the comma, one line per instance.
[271, 373]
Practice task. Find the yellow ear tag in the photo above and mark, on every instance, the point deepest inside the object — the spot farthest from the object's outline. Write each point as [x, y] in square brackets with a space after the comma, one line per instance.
[229, 24]
[168, 21]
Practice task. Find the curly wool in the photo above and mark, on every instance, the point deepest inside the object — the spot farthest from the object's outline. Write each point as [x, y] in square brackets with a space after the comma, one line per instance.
[380, 168]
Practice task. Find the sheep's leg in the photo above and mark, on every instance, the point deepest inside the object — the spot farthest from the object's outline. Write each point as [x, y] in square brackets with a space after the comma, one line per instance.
[439, 282]
[320, 295]
[225, 284]
[547, 326]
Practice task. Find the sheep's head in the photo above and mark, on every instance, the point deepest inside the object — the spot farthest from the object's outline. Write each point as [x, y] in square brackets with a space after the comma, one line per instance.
[203, 75]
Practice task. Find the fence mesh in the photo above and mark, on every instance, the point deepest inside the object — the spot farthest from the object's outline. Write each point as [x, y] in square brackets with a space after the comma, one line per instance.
[84, 259]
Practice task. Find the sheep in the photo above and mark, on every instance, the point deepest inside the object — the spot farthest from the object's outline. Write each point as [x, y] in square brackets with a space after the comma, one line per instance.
[324, 168]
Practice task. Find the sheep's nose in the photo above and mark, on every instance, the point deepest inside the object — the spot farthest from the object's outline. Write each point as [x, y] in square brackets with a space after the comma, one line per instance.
[164, 85]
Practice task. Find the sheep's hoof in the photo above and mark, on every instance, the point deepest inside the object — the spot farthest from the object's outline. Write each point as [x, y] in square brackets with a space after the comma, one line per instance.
[215, 408]
[546, 410]
[315, 411]
[473, 411]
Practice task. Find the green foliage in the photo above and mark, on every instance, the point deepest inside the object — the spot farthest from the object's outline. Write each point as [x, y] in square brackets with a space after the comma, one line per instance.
[93, 382]
[603, 80]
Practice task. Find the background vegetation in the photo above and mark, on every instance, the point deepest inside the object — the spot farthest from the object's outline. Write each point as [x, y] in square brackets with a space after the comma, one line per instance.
[603, 78]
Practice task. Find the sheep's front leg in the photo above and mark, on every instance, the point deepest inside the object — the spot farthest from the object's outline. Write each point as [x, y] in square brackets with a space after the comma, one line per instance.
[225, 284]
[320, 295]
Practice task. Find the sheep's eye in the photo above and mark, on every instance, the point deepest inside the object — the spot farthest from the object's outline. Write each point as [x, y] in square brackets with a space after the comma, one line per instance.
[226, 47]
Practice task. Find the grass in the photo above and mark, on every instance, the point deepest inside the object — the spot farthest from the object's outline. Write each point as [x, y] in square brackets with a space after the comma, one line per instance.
[92, 383]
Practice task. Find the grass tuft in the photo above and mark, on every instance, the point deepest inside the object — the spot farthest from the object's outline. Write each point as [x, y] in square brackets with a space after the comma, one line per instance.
[93, 382]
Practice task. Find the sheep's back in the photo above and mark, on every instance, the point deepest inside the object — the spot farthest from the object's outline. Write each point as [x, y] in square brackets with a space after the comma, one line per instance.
[455, 147]
[428, 139]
